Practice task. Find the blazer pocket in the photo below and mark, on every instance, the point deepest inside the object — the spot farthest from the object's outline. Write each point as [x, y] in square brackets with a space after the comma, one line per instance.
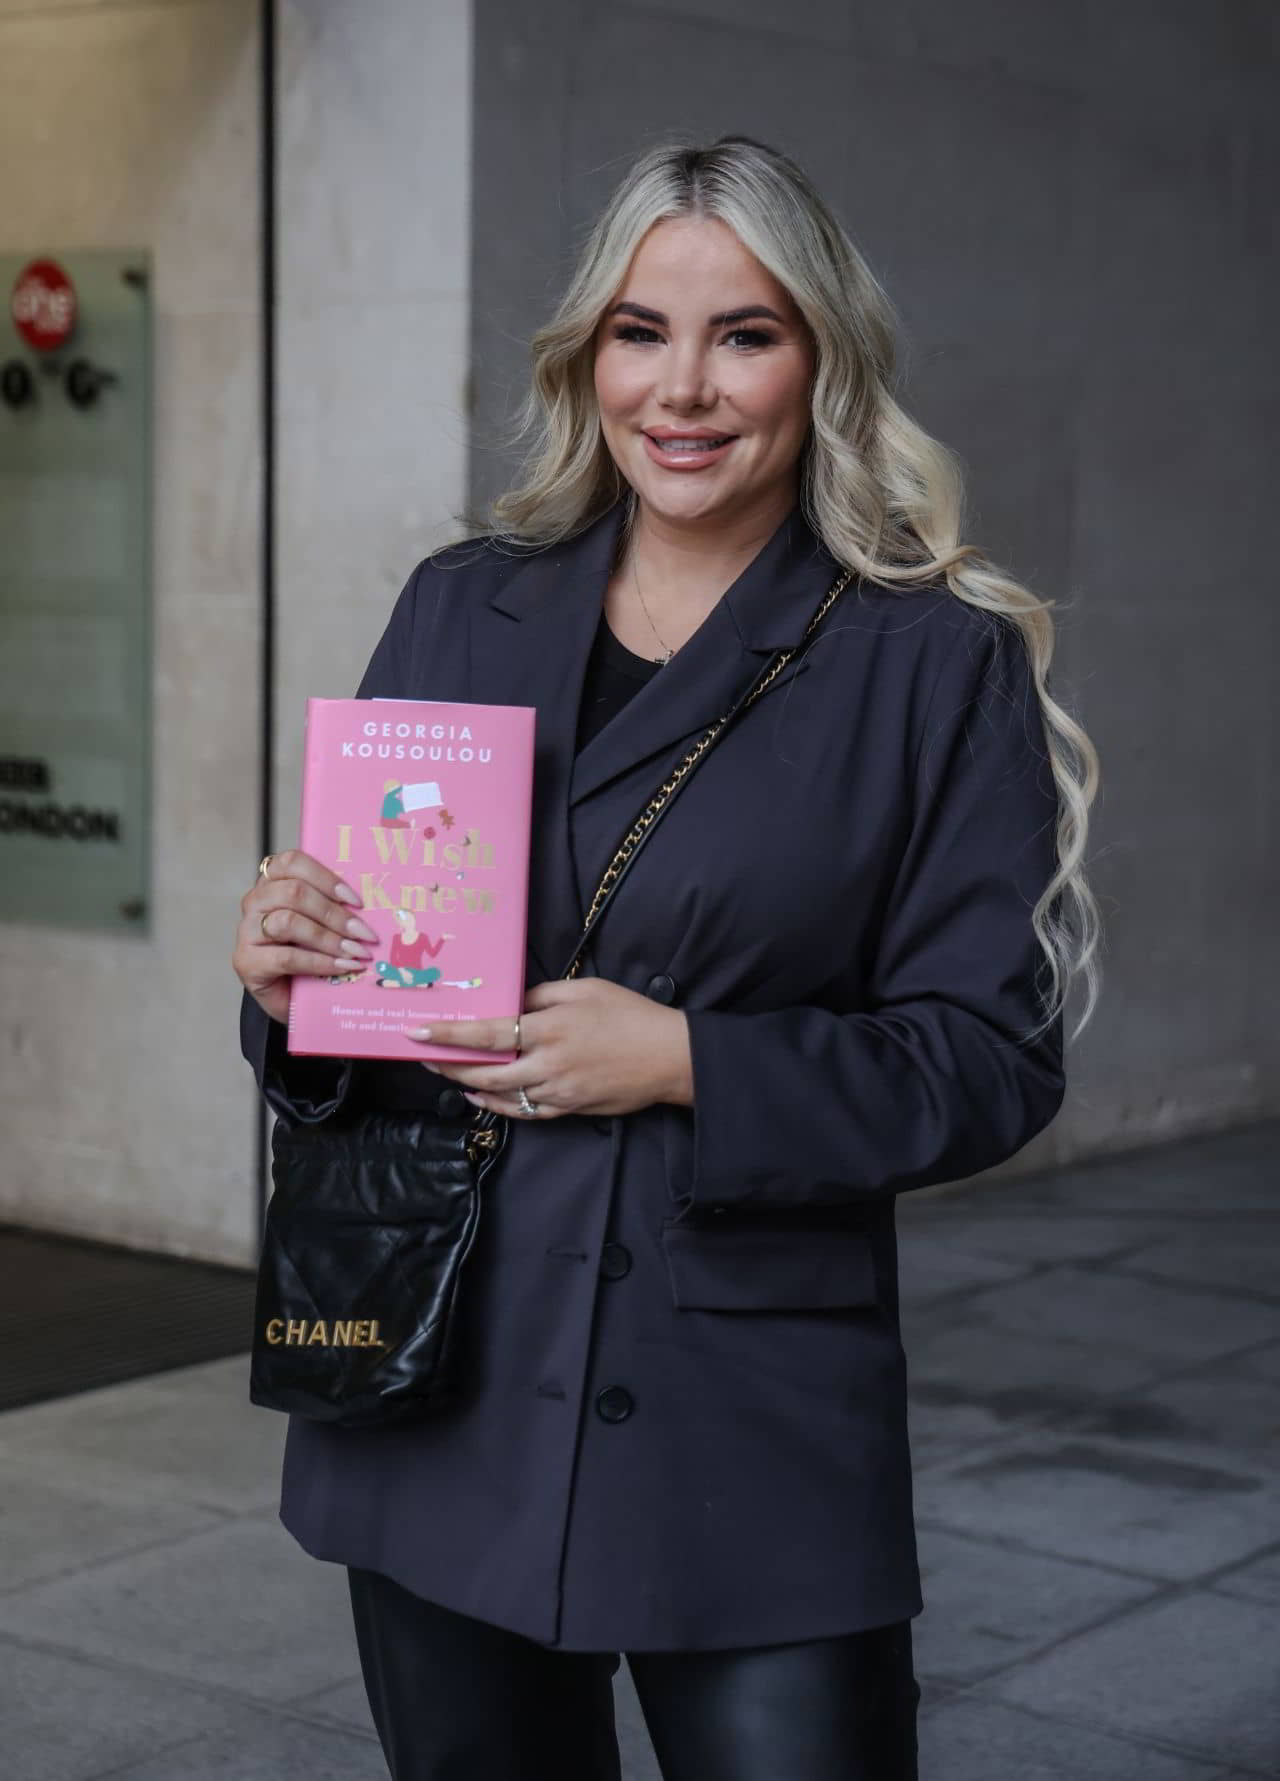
[728, 1269]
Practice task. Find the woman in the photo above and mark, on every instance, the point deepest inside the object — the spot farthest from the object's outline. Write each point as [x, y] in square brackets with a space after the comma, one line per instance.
[408, 966]
[836, 973]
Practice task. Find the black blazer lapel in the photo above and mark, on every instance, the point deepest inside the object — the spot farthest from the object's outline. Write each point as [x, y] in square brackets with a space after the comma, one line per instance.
[531, 644]
[764, 610]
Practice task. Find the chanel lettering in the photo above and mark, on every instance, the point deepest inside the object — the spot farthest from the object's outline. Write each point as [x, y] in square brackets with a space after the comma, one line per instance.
[301, 1332]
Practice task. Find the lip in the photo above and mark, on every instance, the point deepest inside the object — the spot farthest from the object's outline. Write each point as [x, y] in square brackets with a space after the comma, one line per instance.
[686, 461]
[686, 433]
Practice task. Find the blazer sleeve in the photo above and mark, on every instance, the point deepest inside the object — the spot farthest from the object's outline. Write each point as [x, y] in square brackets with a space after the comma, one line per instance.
[929, 1079]
[309, 1089]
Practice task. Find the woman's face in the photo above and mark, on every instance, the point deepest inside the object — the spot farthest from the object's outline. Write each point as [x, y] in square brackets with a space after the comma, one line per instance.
[665, 364]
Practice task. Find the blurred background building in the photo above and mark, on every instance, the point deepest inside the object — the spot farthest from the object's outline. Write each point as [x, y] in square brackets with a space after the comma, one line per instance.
[349, 219]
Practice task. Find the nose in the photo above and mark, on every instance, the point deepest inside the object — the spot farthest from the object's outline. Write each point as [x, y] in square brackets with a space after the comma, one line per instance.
[684, 378]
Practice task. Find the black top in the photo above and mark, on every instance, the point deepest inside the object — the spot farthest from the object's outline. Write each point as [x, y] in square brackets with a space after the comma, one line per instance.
[613, 675]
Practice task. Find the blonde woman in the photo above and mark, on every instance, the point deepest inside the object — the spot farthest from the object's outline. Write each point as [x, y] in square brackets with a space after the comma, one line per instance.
[835, 974]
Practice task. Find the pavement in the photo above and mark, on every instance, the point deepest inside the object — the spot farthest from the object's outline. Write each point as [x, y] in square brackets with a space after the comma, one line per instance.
[1094, 1361]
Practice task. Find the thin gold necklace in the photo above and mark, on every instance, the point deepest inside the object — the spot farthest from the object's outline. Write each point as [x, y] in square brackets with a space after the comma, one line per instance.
[666, 657]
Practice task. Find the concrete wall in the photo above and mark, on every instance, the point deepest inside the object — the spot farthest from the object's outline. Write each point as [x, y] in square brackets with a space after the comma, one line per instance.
[1073, 208]
[374, 203]
[124, 1111]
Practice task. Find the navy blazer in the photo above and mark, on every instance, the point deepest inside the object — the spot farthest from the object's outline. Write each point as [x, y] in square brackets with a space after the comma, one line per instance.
[689, 1425]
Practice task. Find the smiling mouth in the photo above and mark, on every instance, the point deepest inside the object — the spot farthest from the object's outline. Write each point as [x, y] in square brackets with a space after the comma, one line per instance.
[690, 447]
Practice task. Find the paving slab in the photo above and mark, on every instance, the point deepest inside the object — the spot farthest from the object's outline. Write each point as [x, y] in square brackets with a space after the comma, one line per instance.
[338, 1703]
[968, 1738]
[1257, 1579]
[987, 1607]
[49, 1527]
[1107, 1503]
[1229, 1406]
[950, 1429]
[1154, 1328]
[972, 1383]
[1218, 1174]
[932, 1267]
[258, 1748]
[240, 1606]
[1074, 1349]
[189, 1437]
[1238, 1254]
[64, 1718]
[1196, 1670]
[1035, 1237]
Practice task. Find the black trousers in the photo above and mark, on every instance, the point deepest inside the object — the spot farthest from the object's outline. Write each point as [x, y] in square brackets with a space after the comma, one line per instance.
[455, 1699]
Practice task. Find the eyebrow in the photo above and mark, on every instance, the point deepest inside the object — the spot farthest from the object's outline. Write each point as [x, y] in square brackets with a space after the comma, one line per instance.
[725, 316]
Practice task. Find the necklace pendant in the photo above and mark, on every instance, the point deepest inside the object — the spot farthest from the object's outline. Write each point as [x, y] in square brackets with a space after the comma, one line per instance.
[664, 659]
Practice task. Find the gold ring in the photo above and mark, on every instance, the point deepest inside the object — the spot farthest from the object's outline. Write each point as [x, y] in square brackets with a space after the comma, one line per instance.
[263, 864]
[263, 925]
[517, 1040]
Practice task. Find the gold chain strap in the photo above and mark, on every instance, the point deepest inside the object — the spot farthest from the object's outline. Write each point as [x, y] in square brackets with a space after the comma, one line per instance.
[485, 1136]
[651, 811]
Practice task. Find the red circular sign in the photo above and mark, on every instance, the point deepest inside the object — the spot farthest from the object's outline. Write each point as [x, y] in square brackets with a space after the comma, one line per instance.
[43, 305]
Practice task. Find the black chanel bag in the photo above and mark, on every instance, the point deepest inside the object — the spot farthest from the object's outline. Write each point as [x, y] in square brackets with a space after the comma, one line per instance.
[371, 1220]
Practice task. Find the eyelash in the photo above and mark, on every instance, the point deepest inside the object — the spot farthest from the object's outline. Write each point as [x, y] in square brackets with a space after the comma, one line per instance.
[756, 336]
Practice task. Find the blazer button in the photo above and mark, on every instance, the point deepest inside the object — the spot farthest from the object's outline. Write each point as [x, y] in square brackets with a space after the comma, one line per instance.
[661, 988]
[615, 1261]
[614, 1404]
[452, 1103]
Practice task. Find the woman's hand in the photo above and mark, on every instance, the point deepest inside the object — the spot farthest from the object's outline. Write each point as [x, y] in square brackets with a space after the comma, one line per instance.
[586, 1046]
[296, 921]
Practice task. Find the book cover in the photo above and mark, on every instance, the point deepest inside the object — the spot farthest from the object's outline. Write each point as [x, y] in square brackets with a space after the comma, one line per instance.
[424, 808]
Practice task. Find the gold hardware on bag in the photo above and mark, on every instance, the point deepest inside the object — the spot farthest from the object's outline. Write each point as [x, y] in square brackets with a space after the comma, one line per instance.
[298, 1332]
[481, 1138]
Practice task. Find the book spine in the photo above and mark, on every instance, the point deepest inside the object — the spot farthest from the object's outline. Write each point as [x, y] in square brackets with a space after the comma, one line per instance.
[304, 837]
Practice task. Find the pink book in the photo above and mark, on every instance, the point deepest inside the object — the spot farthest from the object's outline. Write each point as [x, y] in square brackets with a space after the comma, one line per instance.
[424, 808]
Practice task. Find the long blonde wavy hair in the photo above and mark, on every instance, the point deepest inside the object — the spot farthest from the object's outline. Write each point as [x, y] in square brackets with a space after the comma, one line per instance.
[886, 499]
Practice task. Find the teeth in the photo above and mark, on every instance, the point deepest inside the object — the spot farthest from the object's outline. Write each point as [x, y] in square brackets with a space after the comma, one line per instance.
[689, 444]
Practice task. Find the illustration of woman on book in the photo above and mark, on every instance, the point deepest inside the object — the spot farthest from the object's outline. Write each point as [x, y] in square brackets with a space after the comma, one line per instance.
[409, 965]
[398, 799]
[393, 816]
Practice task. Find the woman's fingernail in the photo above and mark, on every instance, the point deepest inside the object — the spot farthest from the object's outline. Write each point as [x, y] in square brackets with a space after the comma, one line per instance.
[434, 1068]
[350, 964]
[345, 894]
[476, 1100]
[418, 1033]
[354, 949]
[360, 929]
